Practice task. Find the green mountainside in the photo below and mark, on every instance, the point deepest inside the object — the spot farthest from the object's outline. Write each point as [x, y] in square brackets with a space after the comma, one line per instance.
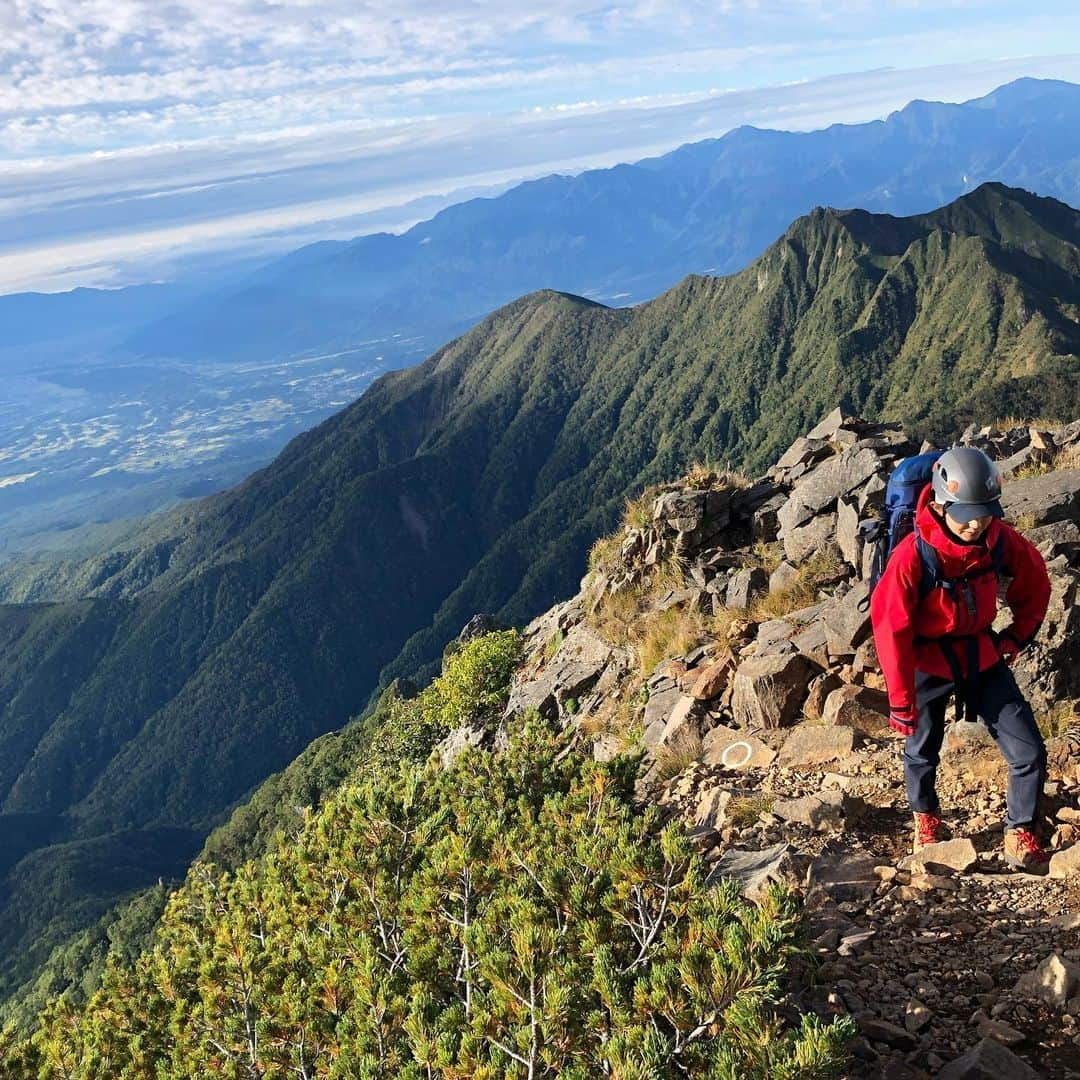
[146, 693]
[515, 914]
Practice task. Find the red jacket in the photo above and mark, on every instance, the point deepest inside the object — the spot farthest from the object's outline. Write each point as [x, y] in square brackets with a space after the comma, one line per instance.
[898, 617]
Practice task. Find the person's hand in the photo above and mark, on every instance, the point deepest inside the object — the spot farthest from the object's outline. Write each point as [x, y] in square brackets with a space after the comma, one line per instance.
[904, 721]
[1007, 650]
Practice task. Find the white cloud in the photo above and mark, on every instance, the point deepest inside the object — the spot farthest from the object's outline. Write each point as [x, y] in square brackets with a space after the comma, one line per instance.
[122, 119]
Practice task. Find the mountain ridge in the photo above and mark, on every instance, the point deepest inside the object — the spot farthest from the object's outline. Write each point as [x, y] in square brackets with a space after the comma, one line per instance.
[210, 657]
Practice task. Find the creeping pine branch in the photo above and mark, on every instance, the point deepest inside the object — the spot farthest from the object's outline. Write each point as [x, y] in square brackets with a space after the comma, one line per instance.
[650, 927]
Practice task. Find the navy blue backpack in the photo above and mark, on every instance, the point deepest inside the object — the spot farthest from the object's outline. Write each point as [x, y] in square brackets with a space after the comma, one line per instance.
[898, 519]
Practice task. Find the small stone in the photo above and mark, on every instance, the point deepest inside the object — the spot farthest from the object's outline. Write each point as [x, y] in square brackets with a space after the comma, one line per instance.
[1053, 981]
[916, 1016]
[1064, 864]
[958, 855]
[891, 1034]
[1004, 1033]
[988, 1060]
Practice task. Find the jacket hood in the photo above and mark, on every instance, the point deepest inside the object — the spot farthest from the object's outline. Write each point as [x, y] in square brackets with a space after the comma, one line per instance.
[956, 558]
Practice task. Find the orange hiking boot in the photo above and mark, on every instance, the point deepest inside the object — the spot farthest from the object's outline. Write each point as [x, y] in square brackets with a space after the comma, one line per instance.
[929, 829]
[1023, 851]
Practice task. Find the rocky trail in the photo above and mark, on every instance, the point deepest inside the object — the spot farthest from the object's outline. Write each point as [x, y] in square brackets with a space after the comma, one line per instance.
[725, 631]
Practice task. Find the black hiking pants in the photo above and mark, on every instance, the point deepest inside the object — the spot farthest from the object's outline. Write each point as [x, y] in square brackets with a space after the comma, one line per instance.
[1008, 717]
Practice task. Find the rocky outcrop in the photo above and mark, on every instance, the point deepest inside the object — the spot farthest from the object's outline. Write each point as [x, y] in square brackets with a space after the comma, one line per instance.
[764, 728]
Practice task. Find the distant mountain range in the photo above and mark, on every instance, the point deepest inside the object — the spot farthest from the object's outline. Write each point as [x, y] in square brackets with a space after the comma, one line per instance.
[625, 234]
[150, 689]
[160, 393]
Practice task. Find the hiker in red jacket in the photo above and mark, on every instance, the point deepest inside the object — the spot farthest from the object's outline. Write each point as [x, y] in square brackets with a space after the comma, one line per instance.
[932, 614]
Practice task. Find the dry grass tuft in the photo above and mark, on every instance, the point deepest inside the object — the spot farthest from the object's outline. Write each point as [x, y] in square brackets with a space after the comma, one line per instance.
[1059, 718]
[822, 566]
[672, 761]
[746, 811]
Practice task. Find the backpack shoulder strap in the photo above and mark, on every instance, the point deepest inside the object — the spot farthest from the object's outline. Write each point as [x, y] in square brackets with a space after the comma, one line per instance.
[931, 567]
[997, 556]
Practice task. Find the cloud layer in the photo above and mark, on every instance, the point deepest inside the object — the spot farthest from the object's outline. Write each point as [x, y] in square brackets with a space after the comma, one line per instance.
[131, 130]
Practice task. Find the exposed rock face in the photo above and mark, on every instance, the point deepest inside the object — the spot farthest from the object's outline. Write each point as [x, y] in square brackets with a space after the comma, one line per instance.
[765, 731]
[768, 691]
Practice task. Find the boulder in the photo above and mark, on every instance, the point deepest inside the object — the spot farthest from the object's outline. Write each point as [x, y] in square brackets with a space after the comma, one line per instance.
[803, 541]
[988, 1060]
[814, 745]
[847, 623]
[768, 691]
[755, 871]
[711, 681]
[682, 728]
[1054, 981]
[744, 585]
[823, 811]
[732, 749]
[858, 707]
[1054, 496]
[821, 488]
[828, 427]
[804, 451]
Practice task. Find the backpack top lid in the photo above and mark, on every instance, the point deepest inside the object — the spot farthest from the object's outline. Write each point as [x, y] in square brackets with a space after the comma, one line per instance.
[908, 479]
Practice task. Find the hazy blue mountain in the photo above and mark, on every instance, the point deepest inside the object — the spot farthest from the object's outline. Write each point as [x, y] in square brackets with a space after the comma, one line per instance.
[208, 387]
[625, 234]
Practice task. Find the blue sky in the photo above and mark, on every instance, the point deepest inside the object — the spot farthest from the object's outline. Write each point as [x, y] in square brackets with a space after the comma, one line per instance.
[137, 134]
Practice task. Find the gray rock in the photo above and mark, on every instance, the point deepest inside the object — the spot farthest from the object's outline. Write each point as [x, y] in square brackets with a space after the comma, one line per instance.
[804, 451]
[755, 871]
[735, 750]
[768, 691]
[891, 1034]
[813, 745]
[657, 710]
[813, 643]
[1054, 496]
[858, 707]
[847, 623]
[766, 523]
[820, 489]
[1054, 981]
[823, 811]
[847, 533]
[843, 874]
[682, 727]
[782, 576]
[827, 427]
[576, 666]
[745, 585]
[802, 542]
[458, 741]
[989, 1060]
